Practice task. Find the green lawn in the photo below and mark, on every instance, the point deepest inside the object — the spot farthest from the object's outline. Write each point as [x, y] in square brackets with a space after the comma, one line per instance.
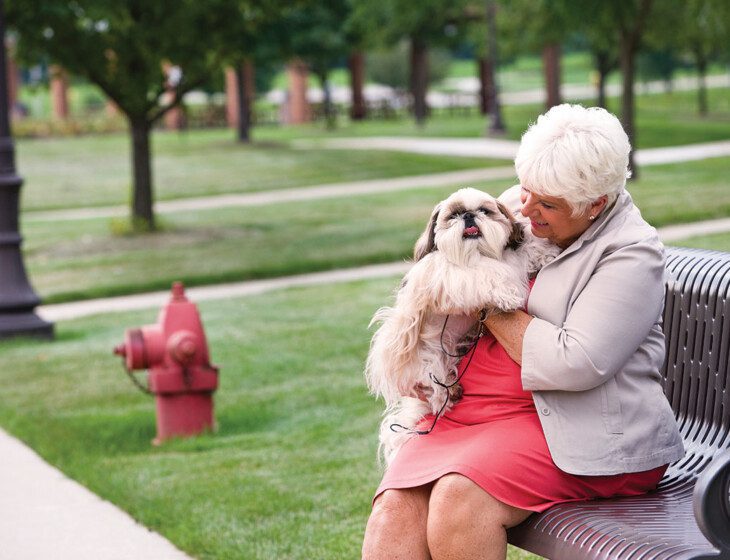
[70, 260]
[665, 119]
[716, 242]
[290, 472]
[96, 170]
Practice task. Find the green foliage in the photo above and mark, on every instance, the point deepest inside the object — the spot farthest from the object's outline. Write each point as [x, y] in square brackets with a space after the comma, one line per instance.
[122, 46]
[392, 66]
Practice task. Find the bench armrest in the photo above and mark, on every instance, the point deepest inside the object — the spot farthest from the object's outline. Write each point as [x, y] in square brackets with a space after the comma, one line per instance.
[711, 501]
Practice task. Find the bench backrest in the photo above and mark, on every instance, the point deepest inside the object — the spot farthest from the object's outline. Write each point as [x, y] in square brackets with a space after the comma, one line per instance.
[697, 331]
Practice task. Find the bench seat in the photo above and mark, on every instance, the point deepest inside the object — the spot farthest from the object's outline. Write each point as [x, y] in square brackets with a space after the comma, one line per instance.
[688, 516]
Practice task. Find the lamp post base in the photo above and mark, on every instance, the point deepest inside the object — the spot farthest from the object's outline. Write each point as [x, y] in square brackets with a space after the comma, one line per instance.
[24, 323]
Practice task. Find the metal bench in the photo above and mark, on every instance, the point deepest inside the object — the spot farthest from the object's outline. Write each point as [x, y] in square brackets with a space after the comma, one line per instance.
[688, 516]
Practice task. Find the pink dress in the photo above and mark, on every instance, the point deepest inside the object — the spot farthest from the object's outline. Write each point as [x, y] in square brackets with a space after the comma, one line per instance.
[493, 436]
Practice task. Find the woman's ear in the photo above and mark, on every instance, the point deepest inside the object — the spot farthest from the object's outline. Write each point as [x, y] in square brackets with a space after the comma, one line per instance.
[426, 243]
[598, 205]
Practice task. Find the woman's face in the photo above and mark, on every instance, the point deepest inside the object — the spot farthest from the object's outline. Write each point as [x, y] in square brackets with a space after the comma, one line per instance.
[552, 218]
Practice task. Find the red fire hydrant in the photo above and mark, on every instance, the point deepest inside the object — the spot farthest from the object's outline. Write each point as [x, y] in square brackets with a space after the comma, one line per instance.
[180, 374]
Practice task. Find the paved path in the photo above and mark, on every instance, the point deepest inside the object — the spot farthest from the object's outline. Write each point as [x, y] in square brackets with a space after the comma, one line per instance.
[287, 195]
[75, 310]
[506, 149]
[46, 516]
[471, 147]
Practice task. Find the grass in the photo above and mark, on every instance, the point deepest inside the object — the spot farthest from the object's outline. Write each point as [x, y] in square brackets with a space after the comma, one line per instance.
[665, 119]
[84, 259]
[290, 472]
[95, 170]
[716, 242]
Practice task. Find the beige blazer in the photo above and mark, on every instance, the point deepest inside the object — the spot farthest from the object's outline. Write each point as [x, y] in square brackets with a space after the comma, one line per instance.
[592, 355]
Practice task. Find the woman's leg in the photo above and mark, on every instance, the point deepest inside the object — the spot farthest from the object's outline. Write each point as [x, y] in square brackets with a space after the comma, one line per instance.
[396, 529]
[465, 522]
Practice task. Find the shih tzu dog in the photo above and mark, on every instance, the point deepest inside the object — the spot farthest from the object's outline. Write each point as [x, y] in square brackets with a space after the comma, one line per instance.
[474, 256]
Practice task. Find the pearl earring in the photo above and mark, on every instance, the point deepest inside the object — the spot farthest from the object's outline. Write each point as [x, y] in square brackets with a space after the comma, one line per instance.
[591, 218]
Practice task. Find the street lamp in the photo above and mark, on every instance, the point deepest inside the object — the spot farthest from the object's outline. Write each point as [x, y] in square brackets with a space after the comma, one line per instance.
[17, 298]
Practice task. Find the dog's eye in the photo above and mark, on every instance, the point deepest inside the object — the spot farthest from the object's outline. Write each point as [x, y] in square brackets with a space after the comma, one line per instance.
[454, 215]
[485, 211]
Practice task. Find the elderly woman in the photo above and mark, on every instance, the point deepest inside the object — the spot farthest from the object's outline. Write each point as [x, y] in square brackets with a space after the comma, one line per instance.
[561, 402]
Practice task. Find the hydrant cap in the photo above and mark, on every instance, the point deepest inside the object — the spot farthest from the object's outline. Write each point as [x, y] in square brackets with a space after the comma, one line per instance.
[178, 292]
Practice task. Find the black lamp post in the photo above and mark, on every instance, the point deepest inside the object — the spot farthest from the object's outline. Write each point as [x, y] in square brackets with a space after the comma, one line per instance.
[17, 298]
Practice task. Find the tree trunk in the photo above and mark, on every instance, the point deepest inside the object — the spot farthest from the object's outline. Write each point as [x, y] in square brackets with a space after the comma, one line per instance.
[419, 79]
[701, 62]
[327, 107]
[629, 39]
[603, 67]
[486, 85]
[627, 61]
[356, 63]
[496, 125]
[142, 196]
[551, 69]
[243, 122]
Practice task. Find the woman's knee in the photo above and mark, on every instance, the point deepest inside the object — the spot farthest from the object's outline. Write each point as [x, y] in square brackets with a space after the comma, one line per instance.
[459, 507]
[409, 505]
[397, 526]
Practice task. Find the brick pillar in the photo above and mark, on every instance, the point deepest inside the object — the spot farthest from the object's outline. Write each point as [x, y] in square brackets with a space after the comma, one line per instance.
[298, 110]
[111, 108]
[59, 92]
[174, 119]
[231, 98]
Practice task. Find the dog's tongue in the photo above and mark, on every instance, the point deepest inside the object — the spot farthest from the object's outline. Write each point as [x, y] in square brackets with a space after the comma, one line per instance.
[471, 230]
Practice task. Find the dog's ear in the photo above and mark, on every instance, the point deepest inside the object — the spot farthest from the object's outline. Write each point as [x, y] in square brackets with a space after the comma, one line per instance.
[517, 235]
[426, 243]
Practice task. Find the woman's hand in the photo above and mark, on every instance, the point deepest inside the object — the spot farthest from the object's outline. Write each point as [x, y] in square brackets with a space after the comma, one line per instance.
[509, 328]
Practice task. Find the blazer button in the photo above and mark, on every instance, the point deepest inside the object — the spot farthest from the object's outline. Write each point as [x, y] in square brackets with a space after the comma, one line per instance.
[545, 411]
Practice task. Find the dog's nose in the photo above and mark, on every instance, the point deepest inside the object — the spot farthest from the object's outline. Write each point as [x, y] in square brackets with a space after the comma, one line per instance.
[468, 219]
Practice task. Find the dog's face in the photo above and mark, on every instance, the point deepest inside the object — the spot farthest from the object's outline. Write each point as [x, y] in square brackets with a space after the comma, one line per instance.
[469, 222]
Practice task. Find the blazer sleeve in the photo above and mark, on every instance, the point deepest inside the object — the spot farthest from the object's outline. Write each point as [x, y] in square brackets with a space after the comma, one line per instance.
[606, 324]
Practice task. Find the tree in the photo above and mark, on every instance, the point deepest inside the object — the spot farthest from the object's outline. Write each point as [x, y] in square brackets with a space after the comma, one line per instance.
[315, 32]
[541, 26]
[122, 46]
[631, 17]
[423, 24]
[698, 28]
[247, 47]
[629, 20]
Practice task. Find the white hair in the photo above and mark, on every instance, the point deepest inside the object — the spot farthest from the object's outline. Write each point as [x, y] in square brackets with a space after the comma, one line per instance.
[575, 153]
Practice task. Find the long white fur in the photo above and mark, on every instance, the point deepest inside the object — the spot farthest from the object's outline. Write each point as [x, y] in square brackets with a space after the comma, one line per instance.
[454, 276]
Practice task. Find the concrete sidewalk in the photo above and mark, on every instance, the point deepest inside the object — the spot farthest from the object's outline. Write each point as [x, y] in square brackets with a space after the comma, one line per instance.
[75, 310]
[505, 149]
[44, 515]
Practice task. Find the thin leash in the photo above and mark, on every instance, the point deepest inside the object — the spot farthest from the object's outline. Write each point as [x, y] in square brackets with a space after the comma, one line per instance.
[399, 427]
